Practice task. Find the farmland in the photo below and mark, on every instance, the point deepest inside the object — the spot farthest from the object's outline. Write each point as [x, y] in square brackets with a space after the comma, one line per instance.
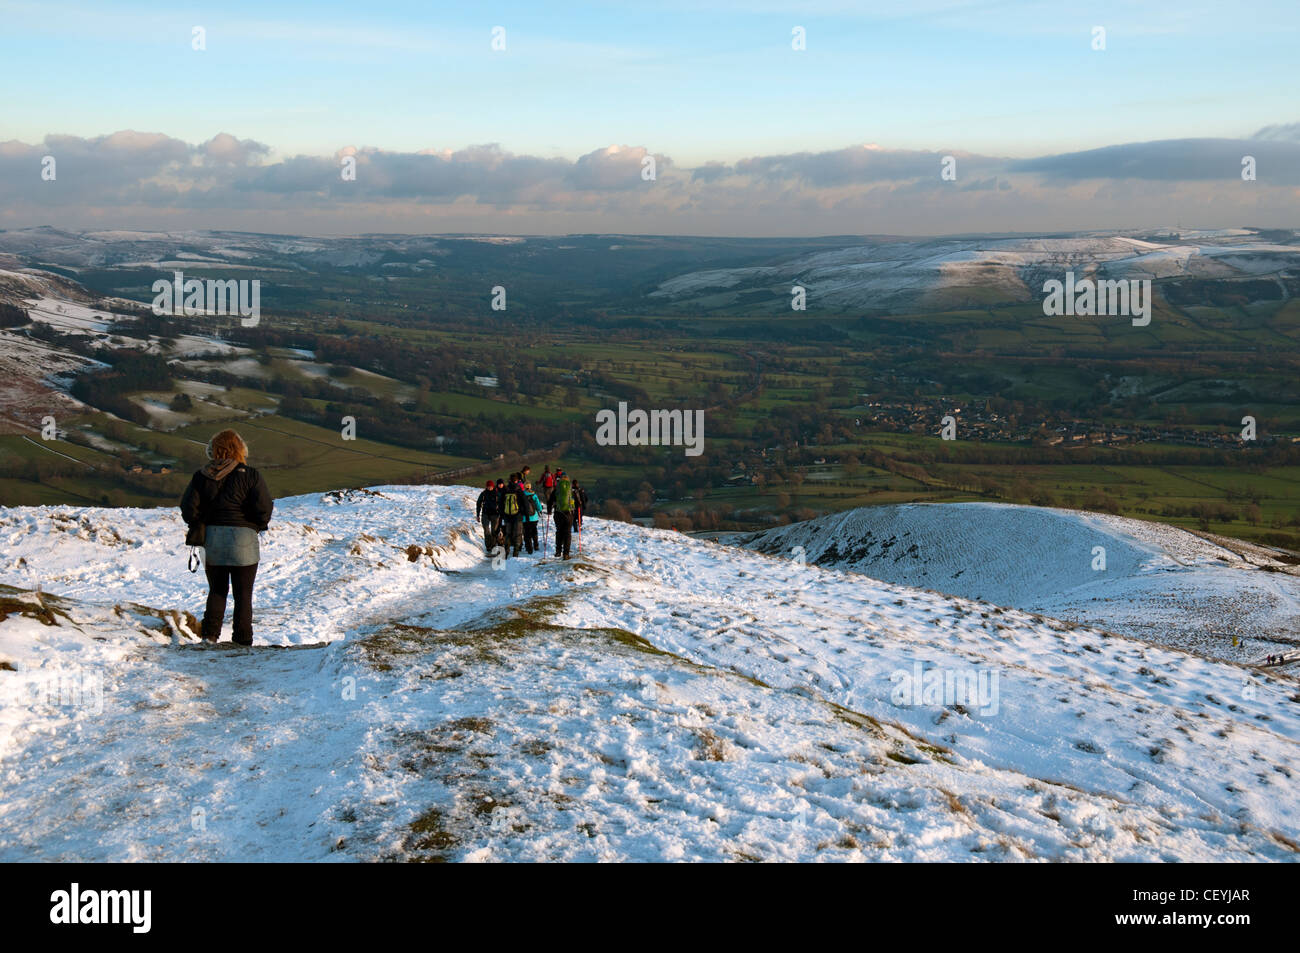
[805, 412]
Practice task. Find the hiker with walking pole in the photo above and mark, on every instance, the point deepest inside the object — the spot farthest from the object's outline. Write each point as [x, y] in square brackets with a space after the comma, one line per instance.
[560, 502]
[579, 509]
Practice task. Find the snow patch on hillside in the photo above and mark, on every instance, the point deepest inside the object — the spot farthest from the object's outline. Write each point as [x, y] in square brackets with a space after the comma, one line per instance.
[1158, 582]
[913, 273]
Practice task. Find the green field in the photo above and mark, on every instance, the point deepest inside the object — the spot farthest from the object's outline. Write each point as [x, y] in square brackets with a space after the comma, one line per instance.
[805, 414]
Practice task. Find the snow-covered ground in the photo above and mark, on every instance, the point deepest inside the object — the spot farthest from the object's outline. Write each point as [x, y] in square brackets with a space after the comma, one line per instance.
[68, 316]
[1220, 597]
[658, 697]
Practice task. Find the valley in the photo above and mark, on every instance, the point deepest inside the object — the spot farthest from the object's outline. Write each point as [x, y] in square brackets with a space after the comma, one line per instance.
[807, 413]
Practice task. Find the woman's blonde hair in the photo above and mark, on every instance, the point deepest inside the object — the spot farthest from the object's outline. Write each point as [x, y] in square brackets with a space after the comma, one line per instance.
[228, 445]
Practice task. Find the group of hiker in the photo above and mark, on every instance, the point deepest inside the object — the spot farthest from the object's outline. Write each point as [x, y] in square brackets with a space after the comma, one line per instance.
[509, 511]
[227, 504]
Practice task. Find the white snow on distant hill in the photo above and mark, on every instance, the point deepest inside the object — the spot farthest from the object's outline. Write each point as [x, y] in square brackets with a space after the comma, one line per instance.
[68, 316]
[35, 375]
[1150, 580]
[657, 698]
[916, 273]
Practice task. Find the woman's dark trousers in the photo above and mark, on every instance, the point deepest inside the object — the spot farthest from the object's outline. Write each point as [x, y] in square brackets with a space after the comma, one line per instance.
[220, 580]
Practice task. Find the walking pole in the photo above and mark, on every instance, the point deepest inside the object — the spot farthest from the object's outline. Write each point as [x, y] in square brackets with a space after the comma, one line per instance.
[579, 531]
[545, 528]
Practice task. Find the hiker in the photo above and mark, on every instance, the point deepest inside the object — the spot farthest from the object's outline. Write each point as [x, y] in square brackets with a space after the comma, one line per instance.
[548, 481]
[579, 505]
[233, 503]
[532, 514]
[560, 501]
[487, 512]
[512, 515]
[525, 475]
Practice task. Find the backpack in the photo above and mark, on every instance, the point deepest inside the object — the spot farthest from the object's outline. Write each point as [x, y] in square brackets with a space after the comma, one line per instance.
[564, 496]
[530, 508]
[512, 504]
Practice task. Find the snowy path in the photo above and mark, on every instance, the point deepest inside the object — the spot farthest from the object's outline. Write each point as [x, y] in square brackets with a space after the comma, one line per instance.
[659, 698]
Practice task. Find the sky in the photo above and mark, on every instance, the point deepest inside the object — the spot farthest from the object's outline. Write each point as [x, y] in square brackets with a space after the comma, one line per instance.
[550, 134]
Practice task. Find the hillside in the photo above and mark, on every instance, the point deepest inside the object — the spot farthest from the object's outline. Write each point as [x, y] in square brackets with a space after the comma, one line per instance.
[657, 698]
[820, 411]
[692, 275]
[946, 273]
[1159, 583]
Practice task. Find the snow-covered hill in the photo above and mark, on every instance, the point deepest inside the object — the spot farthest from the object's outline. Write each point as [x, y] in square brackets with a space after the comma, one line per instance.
[35, 374]
[877, 273]
[1150, 580]
[658, 697]
[960, 272]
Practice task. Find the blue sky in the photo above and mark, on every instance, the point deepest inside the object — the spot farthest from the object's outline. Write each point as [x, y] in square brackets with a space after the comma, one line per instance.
[696, 80]
[701, 81]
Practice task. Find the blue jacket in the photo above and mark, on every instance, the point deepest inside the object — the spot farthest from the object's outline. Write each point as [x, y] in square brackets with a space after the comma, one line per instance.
[537, 508]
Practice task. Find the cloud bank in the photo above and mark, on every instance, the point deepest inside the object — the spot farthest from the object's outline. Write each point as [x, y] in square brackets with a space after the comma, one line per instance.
[138, 179]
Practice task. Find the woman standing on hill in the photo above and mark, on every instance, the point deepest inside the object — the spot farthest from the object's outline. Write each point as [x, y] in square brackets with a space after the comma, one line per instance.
[233, 503]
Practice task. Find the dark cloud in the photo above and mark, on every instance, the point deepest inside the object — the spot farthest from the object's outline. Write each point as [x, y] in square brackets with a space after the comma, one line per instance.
[858, 165]
[486, 173]
[1287, 131]
[1173, 160]
[710, 172]
[108, 168]
[826, 192]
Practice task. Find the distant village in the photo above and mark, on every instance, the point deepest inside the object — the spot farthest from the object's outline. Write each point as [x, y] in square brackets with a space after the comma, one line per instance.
[979, 423]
